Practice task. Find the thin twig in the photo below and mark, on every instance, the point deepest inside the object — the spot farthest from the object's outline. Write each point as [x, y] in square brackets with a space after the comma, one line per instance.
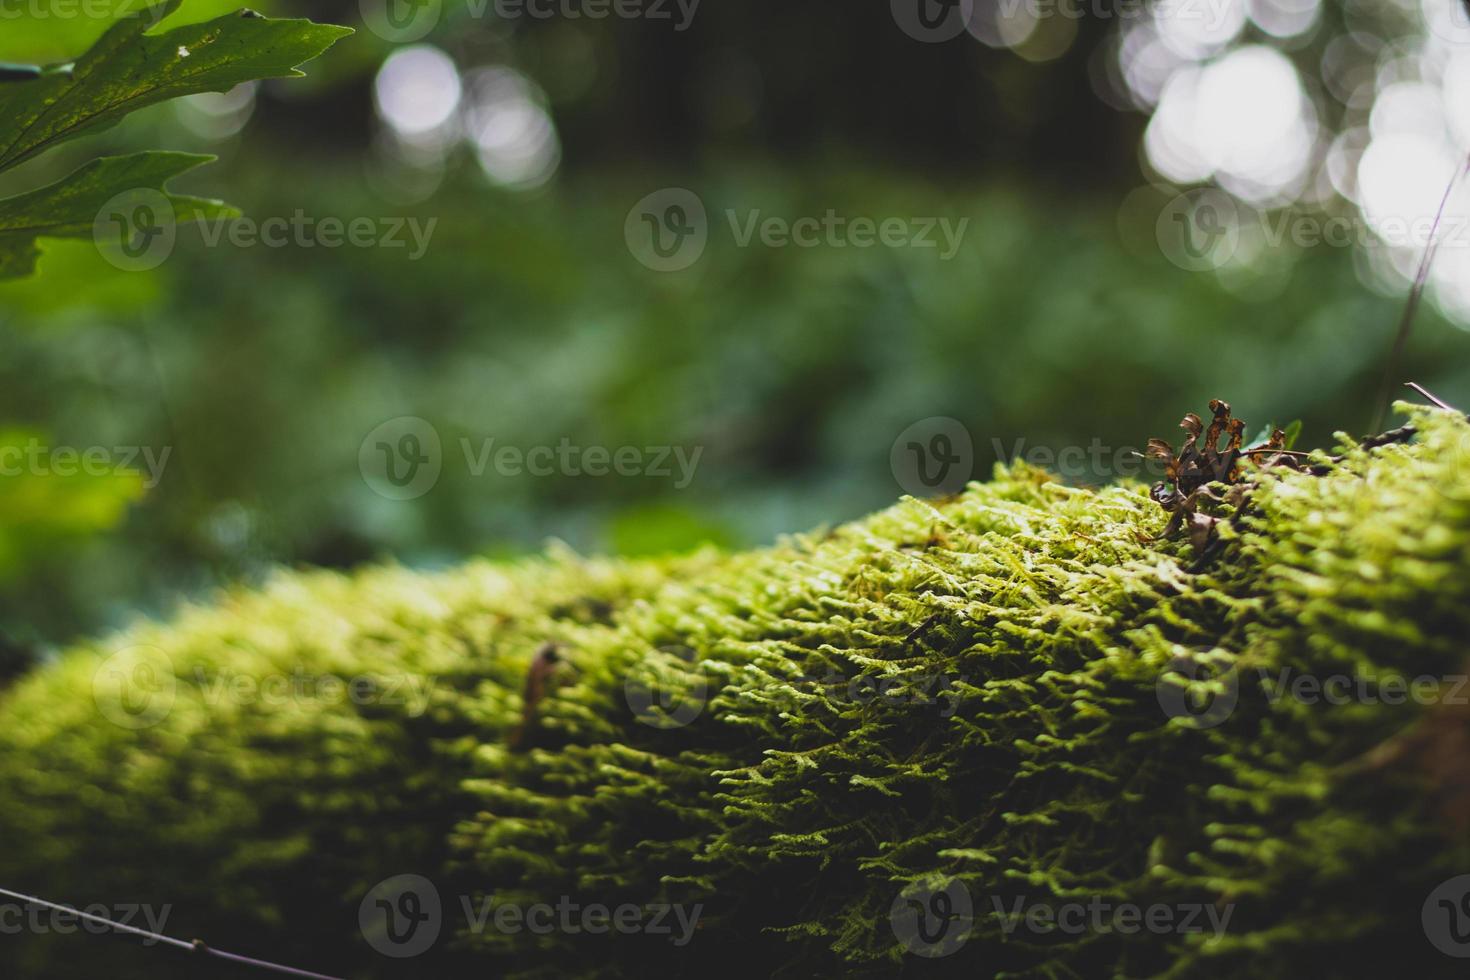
[1406, 323]
[193, 947]
[1430, 395]
[1268, 451]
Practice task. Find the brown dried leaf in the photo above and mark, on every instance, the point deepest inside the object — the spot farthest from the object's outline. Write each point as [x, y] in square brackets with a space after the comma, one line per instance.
[1201, 527]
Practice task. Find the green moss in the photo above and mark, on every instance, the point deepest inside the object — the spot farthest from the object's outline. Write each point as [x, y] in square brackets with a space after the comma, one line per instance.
[973, 691]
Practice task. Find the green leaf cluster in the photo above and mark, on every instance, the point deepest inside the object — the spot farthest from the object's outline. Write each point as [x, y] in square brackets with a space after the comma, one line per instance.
[131, 66]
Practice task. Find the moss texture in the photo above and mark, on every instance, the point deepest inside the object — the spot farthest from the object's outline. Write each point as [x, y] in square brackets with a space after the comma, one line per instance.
[980, 691]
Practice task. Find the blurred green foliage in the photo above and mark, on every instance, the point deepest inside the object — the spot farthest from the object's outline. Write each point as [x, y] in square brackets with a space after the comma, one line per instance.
[53, 494]
[528, 321]
[45, 499]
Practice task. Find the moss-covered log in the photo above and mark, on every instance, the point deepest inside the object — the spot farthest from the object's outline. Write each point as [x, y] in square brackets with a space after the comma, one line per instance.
[982, 705]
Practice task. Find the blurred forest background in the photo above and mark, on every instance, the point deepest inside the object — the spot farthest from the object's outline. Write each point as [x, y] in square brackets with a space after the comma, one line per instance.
[1063, 131]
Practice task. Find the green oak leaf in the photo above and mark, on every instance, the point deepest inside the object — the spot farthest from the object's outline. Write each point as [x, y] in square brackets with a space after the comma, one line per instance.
[54, 30]
[122, 202]
[129, 68]
[112, 200]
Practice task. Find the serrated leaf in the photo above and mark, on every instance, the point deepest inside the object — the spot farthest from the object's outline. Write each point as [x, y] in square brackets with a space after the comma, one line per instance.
[28, 36]
[129, 68]
[70, 208]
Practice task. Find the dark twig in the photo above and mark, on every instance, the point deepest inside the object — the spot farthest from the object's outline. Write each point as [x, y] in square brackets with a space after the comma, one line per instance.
[1406, 322]
[538, 682]
[1430, 395]
[193, 947]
